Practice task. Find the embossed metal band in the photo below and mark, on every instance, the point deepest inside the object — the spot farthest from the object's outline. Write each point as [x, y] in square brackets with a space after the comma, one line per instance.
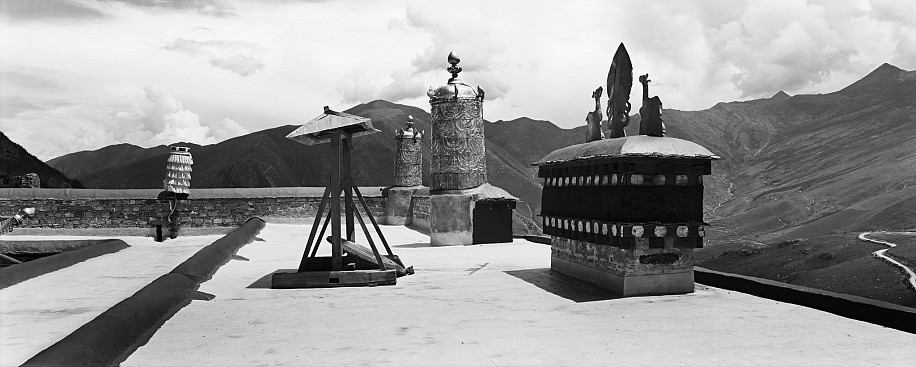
[458, 145]
[408, 162]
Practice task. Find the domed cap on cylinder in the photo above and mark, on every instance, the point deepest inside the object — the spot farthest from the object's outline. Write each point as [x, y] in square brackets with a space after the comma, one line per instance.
[455, 89]
[409, 131]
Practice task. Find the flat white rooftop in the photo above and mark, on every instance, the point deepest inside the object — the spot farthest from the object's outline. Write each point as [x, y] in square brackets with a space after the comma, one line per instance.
[40, 311]
[474, 305]
[493, 305]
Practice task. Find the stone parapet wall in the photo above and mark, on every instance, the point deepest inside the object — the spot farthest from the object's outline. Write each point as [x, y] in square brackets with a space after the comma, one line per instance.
[642, 260]
[94, 208]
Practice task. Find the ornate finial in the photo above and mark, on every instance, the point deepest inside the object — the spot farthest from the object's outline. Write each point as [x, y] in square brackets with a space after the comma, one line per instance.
[619, 83]
[409, 122]
[454, 69]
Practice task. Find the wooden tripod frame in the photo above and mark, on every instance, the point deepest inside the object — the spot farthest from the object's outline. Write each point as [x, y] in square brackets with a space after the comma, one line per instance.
[342, 183]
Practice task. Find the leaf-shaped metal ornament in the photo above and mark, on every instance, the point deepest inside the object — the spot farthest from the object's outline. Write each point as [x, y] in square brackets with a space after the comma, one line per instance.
[619, 84]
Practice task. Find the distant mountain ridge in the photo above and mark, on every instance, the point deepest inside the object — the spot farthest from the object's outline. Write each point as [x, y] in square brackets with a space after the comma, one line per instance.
[16, 161]
[799, 165]
[267, 159]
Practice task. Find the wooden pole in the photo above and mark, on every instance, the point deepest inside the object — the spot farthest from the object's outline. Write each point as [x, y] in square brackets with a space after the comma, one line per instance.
[324, 227]
[348, 187]
[336, 254]
[308, 245]
[372, 219]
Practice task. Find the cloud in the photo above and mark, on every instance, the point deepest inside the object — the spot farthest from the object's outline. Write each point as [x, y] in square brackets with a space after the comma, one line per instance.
[158, 118]
[470, 38]
[27, 88]
[41, 9]
[203, 7]
[404, 85]
[356, 87]
[240, 64]
[785, 46]
[166, 119]
[760, 48]
[226, 129]
[473, 39]
[235, 56]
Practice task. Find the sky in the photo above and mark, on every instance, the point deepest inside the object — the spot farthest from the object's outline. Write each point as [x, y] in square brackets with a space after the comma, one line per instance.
[83, 74]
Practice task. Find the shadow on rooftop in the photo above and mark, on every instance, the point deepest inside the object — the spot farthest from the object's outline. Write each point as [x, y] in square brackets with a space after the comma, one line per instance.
[263, 282]
[413, 245]
[564, 286]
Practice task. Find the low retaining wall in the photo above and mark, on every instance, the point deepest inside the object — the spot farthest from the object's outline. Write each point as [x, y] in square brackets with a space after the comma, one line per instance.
[854, 307]
[136, 208]
[111, 337]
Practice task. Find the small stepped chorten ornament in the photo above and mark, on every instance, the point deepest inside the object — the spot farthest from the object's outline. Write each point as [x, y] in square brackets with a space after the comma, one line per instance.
[176, 188]
[178, 171]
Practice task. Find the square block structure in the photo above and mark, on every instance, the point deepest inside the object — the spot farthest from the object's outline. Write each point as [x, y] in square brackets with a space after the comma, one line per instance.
[474, 216]
[626, 213]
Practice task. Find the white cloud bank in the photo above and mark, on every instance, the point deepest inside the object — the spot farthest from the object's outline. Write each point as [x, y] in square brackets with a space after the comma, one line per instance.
[75, 74]
[157, 119]
[234, 56]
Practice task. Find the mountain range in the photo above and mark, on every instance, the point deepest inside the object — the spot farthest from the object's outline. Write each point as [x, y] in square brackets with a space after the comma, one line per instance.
[16, 161]
[792, 166]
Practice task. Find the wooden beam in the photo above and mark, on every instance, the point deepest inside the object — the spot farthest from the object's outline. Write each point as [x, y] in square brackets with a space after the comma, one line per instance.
[365, 254]
[7, 258]
[327, 279]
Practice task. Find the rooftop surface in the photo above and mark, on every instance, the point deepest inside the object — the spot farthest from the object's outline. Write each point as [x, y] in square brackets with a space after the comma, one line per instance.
[40, 311]
[472, 305]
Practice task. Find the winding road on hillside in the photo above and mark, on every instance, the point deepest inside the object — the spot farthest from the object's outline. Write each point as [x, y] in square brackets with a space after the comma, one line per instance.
[881, 255]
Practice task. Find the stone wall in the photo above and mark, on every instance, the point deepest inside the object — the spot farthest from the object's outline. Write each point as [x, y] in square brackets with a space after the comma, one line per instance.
[136, 208]
[642, 260]
[419, 213]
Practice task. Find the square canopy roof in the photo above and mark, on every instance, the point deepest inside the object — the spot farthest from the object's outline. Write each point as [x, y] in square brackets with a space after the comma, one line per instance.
[319, 129]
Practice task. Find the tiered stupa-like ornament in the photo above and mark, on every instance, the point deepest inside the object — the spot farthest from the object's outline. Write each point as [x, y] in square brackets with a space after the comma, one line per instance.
[464, 209]
[626, 213]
